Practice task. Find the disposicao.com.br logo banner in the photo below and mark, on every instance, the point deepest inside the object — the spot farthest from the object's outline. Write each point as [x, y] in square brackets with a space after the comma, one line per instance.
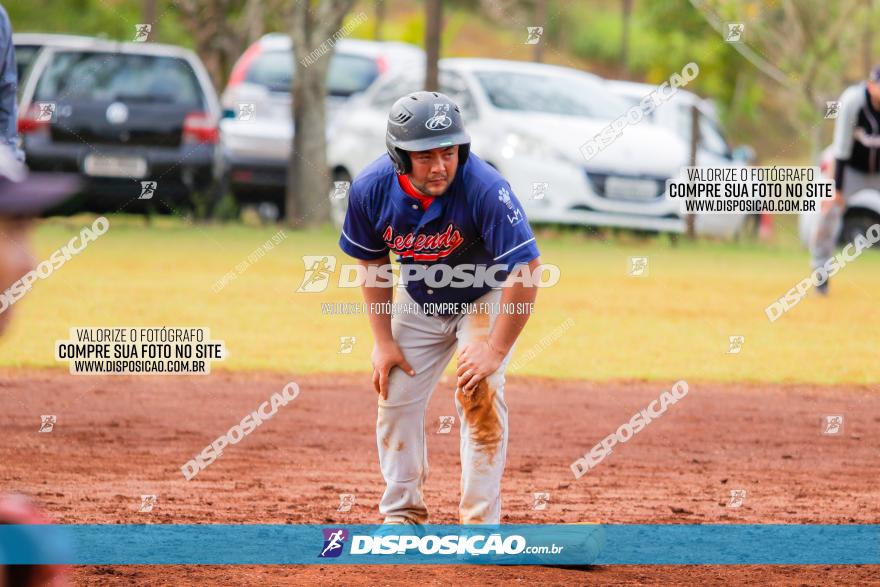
[514, 544]
[465, 543]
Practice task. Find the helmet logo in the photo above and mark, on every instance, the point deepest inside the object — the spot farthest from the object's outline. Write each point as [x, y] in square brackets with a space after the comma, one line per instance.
[440, 120]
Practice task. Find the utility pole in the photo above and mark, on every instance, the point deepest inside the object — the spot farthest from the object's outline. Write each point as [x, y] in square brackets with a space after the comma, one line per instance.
[690, 219]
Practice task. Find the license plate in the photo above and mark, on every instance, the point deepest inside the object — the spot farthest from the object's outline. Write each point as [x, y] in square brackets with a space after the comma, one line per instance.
[625, 188]
[106, 166]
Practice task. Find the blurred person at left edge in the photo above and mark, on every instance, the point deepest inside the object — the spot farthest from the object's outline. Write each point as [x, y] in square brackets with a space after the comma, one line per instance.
[22, 197]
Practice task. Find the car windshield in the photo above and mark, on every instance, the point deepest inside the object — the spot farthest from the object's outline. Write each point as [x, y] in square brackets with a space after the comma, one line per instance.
[87, 76]
[451, 84]
[568, 95]
[348, 73]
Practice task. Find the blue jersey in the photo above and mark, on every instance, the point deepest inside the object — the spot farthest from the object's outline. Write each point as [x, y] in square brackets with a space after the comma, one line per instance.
[478, 221]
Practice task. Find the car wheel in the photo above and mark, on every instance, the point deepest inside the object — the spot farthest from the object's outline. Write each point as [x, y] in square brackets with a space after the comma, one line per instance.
[857, 222]
[339, 197]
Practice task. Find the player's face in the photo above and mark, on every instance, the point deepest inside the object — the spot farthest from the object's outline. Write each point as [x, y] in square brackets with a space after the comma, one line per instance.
[16, 258]
[433, 171]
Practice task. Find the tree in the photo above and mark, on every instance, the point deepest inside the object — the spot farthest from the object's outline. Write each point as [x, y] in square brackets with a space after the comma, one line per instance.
[221, 29]
[380, 20]
[148, 12]
[540, 20]
[809, 63]
[433, 28]
[626, 16]
[315, 27]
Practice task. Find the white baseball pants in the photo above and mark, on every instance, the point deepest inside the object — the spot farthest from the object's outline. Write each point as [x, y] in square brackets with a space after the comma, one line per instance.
[428, 343]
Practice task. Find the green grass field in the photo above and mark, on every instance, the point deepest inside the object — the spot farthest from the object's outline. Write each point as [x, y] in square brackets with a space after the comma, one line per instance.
[673, 323]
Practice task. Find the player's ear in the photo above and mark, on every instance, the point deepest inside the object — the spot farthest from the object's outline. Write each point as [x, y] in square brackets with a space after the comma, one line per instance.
[463, 151]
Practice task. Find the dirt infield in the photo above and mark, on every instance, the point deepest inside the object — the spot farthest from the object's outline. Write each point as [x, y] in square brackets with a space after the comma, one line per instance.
[117, 438]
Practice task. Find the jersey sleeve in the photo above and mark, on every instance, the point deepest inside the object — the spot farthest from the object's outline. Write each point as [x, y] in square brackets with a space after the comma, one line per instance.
[850, 102]
[359, 237]
[504, 227]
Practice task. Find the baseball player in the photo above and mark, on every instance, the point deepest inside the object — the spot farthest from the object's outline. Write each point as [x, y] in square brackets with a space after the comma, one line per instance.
[431, 202]
[856, 166]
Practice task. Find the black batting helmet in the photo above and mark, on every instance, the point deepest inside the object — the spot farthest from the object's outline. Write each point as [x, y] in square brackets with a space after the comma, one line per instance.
[422, 121]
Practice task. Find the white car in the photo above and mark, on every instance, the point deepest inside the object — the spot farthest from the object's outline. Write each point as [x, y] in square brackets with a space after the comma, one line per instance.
[257, 129]
[713, 149]
[529, 120]
[862, 209]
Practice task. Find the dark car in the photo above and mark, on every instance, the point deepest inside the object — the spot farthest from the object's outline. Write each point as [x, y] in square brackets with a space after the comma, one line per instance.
[138, 120]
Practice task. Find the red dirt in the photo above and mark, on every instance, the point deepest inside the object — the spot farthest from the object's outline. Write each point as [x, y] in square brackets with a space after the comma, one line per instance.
[117, 438]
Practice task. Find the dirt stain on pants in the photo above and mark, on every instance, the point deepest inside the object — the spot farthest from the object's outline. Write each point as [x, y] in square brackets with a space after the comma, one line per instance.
[479, 405]
[482, 418]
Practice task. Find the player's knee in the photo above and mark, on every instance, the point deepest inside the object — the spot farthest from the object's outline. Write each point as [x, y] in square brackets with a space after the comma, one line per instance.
[401, 389]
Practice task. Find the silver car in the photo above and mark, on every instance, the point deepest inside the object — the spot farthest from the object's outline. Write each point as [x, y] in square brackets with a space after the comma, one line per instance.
[257, 129]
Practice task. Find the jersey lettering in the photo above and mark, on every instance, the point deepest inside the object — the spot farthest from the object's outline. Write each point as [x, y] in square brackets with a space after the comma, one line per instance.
[423, 247]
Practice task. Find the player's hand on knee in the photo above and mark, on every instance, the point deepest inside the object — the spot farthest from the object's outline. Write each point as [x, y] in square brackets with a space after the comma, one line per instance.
[385, 358]
[476, 361]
